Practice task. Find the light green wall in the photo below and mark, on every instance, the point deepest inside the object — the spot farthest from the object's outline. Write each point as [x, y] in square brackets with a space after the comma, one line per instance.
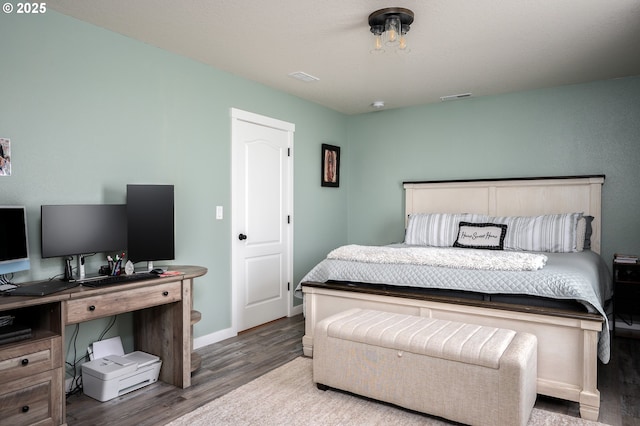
[583, 129]
[88, 111]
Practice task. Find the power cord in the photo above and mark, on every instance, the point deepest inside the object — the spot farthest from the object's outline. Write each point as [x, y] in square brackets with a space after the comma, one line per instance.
[76, 379]
[111, 324]
[6, 278]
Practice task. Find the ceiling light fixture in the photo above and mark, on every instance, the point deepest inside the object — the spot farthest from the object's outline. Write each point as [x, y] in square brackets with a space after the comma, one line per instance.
[390, 27]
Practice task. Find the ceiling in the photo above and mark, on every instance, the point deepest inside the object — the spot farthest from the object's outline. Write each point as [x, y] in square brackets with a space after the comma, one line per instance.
[483, 47]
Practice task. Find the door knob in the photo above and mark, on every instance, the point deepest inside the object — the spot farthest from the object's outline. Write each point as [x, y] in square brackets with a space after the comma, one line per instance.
[242, 237]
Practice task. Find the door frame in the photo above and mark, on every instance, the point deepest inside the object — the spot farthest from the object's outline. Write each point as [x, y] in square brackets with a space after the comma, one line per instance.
[240, 115]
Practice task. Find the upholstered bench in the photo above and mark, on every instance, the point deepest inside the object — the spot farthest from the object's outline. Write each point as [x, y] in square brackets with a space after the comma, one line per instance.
[463, 372]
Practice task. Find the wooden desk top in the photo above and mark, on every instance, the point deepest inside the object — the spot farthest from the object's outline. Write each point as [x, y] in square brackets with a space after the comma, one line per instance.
[13, 302]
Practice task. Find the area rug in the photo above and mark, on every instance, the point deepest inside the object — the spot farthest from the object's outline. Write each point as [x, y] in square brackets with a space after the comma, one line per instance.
[287, 396]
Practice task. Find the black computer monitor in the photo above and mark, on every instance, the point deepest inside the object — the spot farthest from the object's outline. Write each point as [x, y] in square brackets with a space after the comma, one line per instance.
[14, 241]
[81, 229]
[150, 223]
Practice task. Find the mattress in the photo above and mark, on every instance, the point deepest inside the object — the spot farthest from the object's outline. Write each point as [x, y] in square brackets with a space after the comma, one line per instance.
[581, 277]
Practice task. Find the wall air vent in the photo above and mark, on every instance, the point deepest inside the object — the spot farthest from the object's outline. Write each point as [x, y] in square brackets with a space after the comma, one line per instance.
[455, 97]
[303, 76]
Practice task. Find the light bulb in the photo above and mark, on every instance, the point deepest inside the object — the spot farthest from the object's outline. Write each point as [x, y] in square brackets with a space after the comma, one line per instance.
[378, 42]
[393, 35]
[377, 45]
[392, 30]
[402, 45]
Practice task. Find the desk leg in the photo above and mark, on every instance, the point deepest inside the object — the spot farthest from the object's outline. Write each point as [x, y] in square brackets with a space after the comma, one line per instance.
[165, 331]
[62, 314]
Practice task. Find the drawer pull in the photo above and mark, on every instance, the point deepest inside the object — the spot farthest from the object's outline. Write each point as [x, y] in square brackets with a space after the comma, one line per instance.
[25, 408]
[92, 308]
[165, 293]
[24, 361]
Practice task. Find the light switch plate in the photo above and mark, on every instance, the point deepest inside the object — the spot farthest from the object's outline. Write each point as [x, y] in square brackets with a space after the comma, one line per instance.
[219, 212]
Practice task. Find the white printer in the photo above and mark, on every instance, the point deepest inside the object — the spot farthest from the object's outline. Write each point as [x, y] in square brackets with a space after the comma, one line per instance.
[114, 375]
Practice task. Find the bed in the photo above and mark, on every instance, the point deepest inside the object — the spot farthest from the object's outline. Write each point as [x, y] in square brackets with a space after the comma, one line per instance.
[571, 326]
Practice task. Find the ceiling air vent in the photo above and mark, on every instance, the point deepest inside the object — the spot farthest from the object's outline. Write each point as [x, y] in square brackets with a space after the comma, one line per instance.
[303, 76]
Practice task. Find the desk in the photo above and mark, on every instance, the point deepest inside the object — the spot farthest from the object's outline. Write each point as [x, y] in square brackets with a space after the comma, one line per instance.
[32, 371]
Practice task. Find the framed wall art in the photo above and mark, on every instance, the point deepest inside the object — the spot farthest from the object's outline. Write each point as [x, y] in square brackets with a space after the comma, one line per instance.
[330, 165]
[5, 157]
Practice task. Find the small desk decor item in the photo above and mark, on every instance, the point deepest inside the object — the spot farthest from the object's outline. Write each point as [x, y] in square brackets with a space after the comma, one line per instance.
[330, 165]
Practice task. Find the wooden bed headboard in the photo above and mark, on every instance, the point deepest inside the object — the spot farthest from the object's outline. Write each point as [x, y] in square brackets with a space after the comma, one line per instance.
[511, 197]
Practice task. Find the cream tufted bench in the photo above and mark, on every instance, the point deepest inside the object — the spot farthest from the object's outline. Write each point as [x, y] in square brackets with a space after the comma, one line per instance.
[466, 373]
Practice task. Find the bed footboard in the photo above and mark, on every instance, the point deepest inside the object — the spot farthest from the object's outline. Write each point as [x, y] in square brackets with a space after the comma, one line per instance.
[567, 342]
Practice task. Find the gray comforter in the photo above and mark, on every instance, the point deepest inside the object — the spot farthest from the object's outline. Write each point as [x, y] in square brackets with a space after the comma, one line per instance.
[582, 276]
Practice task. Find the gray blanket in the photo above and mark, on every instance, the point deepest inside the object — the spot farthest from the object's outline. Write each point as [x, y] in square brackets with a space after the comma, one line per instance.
[582, 276]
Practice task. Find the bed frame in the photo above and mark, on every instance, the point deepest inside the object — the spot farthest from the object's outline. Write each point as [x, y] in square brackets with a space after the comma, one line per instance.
[567, 341]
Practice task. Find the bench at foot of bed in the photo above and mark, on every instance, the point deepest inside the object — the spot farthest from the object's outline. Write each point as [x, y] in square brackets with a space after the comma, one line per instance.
[463, 372]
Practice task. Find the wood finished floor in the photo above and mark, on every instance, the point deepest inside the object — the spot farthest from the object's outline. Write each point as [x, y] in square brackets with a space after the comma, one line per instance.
[230, 364]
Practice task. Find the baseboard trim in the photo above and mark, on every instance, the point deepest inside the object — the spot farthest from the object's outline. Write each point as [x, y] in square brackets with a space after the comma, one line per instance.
[212, 338]
[296, 310]
[227, 333]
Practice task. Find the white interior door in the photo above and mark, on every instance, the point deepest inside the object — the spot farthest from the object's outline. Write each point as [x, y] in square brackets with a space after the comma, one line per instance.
[261, 218]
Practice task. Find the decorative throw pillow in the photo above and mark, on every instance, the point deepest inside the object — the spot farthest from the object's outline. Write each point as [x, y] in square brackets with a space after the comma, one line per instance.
[437, 229]
[588, 232]
[489, 236]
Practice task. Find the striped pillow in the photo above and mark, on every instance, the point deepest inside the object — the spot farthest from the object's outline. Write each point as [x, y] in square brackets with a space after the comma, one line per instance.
[554, 233]
[437, 229]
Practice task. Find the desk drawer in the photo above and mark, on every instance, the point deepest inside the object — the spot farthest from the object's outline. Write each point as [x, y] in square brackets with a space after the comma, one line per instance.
[117, 302]
[36, 399]
[30, 357]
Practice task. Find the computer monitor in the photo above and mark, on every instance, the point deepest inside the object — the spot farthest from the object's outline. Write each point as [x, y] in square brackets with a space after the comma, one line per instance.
[14, 241]
[81, 229]
[150, 223]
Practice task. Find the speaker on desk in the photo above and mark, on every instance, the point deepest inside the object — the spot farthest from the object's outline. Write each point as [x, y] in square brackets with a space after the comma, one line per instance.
[150, 223]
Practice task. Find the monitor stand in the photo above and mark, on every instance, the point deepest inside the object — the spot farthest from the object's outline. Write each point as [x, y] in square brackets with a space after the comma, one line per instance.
[68, 271]
[149, 265]
[81, 272]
